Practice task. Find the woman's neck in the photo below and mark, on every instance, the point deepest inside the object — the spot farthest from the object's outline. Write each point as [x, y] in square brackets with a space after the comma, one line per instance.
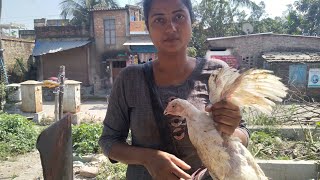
[172, 62]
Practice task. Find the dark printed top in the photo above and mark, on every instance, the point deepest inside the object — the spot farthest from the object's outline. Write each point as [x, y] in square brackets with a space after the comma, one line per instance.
[130, 108]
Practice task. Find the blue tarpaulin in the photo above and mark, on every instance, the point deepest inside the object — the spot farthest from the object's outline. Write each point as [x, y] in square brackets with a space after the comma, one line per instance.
[298, 75]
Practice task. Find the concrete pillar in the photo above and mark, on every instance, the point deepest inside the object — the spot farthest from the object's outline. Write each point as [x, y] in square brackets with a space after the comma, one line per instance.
[31, 96]
[72, 100]
[71, 97]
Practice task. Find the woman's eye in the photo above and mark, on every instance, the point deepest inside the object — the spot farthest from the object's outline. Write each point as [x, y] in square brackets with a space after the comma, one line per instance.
[179, 17]
[159, 20]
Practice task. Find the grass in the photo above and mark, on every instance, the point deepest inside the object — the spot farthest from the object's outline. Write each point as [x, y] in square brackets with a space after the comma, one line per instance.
[107, 170]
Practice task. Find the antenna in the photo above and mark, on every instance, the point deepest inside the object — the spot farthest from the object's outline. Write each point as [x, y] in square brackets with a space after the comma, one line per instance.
[247, 28]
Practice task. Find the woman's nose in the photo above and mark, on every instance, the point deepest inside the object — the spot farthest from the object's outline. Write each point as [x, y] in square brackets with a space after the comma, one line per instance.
[171, 27]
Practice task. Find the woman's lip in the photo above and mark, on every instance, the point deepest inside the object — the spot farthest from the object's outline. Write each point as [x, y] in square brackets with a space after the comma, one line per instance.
[171, 40]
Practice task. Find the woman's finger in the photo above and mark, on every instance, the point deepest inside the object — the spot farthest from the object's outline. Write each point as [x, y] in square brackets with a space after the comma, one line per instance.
[227, 113]
[180, 173]
[227, 121]
[208, 107]
[177, 171]
[229, 130]
[225, 105]
[180, 163]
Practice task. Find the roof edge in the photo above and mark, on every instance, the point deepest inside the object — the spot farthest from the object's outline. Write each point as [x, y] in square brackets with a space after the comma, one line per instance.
[259, 34]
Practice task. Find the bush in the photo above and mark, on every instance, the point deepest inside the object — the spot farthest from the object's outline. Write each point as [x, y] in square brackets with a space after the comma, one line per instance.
[17, 135]
[85, 138]
[18, 72]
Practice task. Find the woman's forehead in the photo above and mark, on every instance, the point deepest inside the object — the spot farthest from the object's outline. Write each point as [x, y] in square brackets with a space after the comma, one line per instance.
[167, 6]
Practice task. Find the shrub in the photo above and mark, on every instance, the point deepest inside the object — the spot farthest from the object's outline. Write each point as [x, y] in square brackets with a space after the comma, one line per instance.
[18, 71]
[85, 138]
[17, 135]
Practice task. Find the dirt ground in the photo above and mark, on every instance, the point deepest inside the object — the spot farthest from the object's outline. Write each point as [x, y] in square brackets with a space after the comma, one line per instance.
[28, 166]
[23, 167]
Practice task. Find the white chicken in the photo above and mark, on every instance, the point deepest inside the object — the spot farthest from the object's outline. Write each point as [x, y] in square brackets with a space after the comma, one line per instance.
[225, 157]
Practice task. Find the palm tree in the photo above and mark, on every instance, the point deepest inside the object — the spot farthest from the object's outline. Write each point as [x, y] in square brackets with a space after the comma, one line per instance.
[79, 9]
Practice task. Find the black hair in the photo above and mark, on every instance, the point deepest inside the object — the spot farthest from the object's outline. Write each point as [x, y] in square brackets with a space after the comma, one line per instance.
[147, 6]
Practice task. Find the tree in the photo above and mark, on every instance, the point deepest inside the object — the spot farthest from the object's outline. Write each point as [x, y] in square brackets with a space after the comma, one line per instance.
[79, 9]
[218, 18]
[310, 12]
[294, 22]
[276, 25]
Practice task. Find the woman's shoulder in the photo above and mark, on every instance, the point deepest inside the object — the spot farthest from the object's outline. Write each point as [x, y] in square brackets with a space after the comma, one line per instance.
[211, 64]
[133, 71]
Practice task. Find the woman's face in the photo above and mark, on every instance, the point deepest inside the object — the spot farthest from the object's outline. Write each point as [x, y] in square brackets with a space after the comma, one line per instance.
[169, 25]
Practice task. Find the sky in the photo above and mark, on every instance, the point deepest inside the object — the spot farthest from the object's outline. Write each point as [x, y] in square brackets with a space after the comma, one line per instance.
[24, 11]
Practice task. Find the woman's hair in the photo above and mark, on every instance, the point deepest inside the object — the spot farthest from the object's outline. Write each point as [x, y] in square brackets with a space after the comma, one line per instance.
[147, 6]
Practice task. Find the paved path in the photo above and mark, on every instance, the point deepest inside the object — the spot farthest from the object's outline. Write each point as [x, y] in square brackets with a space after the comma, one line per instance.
[90, 110]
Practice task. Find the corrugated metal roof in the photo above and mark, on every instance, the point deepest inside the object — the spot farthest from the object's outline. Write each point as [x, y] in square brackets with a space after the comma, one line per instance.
[48, 46]
[291, 57]
[260, 34]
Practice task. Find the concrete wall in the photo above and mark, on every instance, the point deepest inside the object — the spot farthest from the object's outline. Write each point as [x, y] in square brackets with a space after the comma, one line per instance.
[16, 48]
[248, 49]
[75, 60]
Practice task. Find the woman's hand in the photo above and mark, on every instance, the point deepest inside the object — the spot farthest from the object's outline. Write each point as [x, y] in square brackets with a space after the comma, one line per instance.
[226, 115]
[162, 165]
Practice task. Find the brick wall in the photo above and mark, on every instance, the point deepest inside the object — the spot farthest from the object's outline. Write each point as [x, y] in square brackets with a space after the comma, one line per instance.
[74, 60]
[62, 32]
[248, 49]
[16, 48]
[122, 29]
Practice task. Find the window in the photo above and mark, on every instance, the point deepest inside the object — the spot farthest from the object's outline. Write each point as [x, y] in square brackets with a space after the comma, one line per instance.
[110, 31]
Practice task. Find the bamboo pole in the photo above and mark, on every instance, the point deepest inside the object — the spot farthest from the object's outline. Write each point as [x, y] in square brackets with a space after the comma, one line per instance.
[56, 104]
[61, 90]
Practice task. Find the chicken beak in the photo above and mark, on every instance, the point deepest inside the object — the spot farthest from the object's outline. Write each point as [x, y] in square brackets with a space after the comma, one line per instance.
[165, 112]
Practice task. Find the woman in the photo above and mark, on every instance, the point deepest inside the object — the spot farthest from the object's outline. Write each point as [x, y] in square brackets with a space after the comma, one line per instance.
[173, 74]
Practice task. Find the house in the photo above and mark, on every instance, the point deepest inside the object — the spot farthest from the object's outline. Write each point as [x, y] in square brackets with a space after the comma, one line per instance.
[59, 44]
[120, 39]
[94, 54]
[294, 58]
[27, 34]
